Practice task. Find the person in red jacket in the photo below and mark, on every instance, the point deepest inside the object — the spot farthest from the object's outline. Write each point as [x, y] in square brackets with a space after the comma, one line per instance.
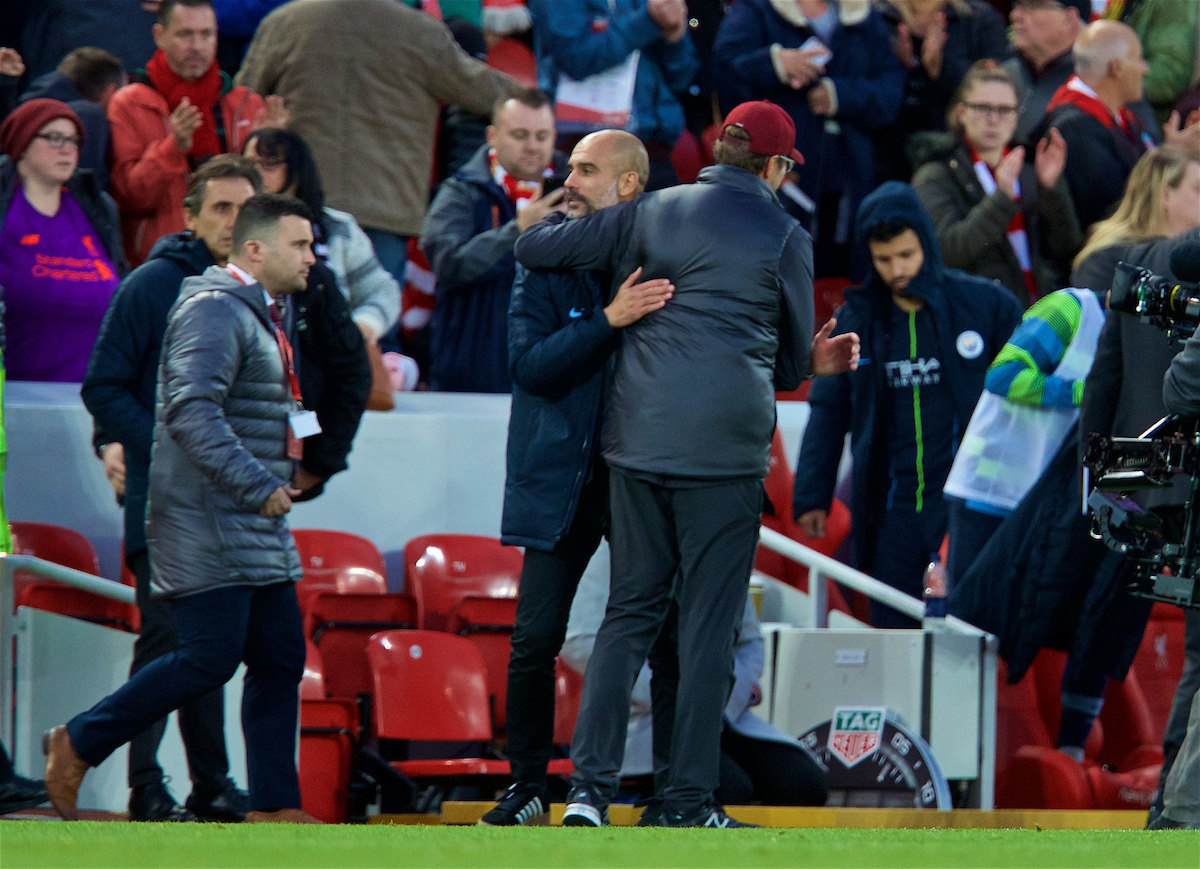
[176, 114]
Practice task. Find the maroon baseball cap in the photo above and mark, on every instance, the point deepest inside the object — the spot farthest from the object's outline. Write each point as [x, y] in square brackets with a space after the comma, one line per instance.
[769, 127]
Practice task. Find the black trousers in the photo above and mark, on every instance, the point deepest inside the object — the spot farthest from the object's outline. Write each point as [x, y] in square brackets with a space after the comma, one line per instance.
[771, 773]
[548, 583]
[201, 721]
[707, 535]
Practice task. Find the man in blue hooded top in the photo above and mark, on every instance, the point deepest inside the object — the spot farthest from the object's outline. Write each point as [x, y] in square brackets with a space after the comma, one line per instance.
[928, 335]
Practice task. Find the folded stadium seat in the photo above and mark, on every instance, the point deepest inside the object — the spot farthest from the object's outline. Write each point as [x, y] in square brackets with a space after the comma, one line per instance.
[779, 484]
[1159, 663]
[341, 624]
[514, 57]
[335, 561]
[327, 744]
[1032, 773]
[431, 686]
[68, 548]
[687, 158]
[568, 690]
[467, 584]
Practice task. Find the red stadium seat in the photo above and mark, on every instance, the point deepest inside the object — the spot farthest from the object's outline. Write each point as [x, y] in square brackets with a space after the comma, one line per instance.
[779, 484]
[339, 562]
[341, 624]
[1159, 663]
[68, 548]
[1120, 770]
[432, 686]
[687, 158]
[514, 57]
[568, 690]
[467, 584]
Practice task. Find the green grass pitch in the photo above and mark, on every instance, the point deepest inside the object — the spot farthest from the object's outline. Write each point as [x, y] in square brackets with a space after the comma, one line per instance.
[87, 844]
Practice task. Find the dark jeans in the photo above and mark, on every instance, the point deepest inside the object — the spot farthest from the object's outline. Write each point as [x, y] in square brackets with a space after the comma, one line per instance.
[548, 583]
[6, 769]
[903, 544]
[707, 535]
[771, 773]
[201, 721]
[217, 630]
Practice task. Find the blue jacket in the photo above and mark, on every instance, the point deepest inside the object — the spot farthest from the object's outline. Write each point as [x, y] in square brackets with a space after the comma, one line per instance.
[973, 319]
[122, 374]
[584, 37]
[558, 343]
[866, 75]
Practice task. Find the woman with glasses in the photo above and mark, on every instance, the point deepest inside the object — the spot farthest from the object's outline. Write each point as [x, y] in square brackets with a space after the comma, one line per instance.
[287, 165]
[997, 214]
[60, 245]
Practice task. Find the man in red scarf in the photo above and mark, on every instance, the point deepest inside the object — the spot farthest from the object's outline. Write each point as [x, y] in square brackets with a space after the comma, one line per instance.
[1104, 138]
[177, 113]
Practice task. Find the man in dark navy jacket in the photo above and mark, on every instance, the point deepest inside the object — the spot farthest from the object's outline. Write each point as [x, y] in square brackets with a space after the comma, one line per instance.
[560, 337]
[928, 335]
[689, 415]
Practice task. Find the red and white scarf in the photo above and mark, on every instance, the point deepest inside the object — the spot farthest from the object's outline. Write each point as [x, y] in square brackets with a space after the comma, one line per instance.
[1077, 93]
[1017, 237]
[520, 192]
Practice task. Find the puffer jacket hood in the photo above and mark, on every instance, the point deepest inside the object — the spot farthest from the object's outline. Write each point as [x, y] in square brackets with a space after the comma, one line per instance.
[183, 249]
[889, 201]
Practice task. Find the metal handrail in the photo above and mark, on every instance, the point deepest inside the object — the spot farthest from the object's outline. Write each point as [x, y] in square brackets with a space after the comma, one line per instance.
[821, 566]
[39, 567]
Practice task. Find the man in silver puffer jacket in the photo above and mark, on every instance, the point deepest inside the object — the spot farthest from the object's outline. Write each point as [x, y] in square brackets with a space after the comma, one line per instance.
[228, 420]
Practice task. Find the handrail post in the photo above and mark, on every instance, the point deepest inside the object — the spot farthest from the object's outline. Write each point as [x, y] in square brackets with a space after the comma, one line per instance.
[818, 598]
[7, 650]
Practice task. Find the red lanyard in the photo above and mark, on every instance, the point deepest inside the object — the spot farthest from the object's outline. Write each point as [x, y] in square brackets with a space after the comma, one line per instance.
[285, 347]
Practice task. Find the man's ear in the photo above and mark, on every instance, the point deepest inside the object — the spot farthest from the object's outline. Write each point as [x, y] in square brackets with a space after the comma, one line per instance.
[491, 136]
[628, 183]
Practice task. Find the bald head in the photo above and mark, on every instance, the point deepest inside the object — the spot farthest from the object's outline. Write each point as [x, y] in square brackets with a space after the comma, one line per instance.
[1108, 57]
[607, 167]
[625, 152]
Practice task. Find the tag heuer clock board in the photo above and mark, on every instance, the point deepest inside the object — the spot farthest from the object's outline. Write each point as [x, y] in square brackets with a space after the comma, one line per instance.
[872, 760]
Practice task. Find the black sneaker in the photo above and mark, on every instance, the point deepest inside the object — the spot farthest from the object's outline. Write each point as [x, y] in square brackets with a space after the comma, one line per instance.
[153, 802]
[706, 815]
[521, 804]
[21, 793]
[585, 808]
[228, 805]
[652, 813]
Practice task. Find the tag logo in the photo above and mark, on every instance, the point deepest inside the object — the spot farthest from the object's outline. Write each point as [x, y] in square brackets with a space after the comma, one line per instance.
[969, 344]
[855, 733]
[575, 313]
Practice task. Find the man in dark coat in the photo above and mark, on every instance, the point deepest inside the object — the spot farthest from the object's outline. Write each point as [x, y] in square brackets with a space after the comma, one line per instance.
[689, 415]
[561, 334]
[1043, 35]
[929, 334]
[468, 237]
[1104, 138]
[228, 426]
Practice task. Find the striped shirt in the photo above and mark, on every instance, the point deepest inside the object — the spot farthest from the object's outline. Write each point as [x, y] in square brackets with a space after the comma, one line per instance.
[1021, 370]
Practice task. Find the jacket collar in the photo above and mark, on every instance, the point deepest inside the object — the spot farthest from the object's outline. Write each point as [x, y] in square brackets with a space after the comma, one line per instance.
[738, 179]
[850, 12]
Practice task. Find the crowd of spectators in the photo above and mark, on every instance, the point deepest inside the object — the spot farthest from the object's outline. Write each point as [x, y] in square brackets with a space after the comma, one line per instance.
[1017, 135]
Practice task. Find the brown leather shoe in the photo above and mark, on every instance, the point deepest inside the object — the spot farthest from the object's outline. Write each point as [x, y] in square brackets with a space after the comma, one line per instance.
[282, 816]
[64, 772]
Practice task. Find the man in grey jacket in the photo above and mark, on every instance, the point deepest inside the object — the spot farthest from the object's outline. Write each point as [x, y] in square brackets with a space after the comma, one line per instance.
[229, 424]
[689, 415]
